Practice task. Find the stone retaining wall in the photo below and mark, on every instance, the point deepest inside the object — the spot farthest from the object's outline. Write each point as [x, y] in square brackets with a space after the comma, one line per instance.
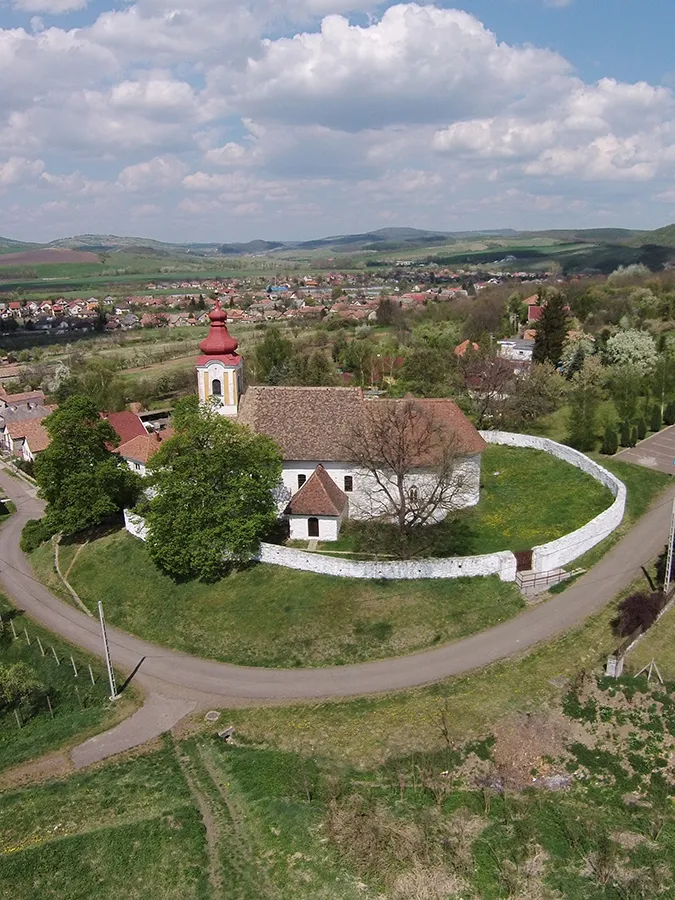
[544, 558]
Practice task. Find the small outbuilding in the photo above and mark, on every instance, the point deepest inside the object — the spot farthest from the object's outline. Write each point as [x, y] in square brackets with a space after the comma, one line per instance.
[318, 509]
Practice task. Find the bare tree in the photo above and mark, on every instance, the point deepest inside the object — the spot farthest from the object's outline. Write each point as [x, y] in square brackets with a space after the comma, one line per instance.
[411, 459]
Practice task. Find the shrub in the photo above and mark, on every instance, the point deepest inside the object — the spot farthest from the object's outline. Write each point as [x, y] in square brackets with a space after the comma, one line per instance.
[656, 421]
[625, 434]
[638, 611]
[610, 441]
[633, 436]
[34, 533]
[669, 414]
[641, 428]
[19, 686]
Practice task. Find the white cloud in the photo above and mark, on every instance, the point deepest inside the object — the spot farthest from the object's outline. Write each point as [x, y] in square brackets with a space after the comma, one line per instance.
[160, 172]
[416, 64]
[18, 170]
[421, 115]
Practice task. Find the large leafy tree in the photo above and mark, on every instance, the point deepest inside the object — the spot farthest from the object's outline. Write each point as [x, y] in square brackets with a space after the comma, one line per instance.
[82, 480]
[273, 357]
[551, 330]
[584, 400]
[632, 348]
[212, 492]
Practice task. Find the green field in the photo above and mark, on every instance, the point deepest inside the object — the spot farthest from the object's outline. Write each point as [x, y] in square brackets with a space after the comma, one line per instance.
[272, 616]
[131, 830]
[201, 819]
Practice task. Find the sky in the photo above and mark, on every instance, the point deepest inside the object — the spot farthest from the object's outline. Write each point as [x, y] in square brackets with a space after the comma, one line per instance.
[228, 120]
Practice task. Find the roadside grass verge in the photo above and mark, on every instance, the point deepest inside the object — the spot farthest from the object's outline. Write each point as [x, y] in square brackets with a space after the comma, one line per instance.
[80, 708]
[272, 616]
[369, 730]
[127, 830]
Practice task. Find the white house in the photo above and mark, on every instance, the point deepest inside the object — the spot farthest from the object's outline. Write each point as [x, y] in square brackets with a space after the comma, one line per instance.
[516, 349]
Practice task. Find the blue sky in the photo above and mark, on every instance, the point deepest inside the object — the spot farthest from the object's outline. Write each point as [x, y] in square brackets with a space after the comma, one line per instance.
[233, 119]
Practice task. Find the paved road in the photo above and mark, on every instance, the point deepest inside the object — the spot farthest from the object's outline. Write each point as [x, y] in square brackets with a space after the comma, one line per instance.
[176, 675]
[656, 452]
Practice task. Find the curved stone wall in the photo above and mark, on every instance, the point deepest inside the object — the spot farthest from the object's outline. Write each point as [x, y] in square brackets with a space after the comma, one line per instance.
[544, 558]
[573, 545]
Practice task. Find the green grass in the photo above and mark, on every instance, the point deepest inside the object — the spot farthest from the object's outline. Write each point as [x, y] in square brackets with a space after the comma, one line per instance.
[534, 499]
[272, 616]
[75, 717]
[511, 514]
[130, 830]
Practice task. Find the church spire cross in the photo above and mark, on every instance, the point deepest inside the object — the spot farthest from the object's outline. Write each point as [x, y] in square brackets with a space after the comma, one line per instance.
[219, 341]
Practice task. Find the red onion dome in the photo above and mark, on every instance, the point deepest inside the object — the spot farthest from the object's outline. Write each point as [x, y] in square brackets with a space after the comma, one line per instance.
[219, 341]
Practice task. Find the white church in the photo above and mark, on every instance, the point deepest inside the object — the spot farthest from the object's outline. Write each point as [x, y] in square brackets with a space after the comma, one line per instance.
[321, 486]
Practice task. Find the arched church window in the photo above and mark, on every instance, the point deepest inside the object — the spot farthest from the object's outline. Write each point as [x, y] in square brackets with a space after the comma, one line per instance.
[217, 387]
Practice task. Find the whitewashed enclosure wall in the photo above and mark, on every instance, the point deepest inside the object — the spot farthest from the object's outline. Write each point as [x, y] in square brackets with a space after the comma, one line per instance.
[544, 558]
[570, 547]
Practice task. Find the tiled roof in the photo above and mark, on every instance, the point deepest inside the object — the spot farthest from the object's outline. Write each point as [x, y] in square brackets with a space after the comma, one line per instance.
[315, 423]
[141, 448]
[33, 432]
[319, 496]
[126, 424]
[21, 398]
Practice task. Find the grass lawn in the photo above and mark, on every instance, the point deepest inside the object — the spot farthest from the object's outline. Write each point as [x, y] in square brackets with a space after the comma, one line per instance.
[75, 717]
[272, 616]
[129, 830]
[511, 514]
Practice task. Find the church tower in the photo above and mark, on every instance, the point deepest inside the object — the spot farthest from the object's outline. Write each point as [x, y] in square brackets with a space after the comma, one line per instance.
[220, 371]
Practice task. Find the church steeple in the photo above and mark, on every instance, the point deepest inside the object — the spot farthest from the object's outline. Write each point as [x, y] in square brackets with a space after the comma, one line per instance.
[220, 369]
[219, 341]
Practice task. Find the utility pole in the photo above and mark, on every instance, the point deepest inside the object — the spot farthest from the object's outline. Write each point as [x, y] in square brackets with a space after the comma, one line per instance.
[108, 661]
[669, 558]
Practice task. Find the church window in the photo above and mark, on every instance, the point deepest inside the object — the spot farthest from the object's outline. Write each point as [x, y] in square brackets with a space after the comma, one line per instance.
[313, 527]
[217, 387]
[349, 484]
[413, 494]
[301, 480]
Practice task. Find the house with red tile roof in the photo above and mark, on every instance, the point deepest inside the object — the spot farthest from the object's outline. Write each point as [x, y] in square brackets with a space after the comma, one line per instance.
[140, 449]
[127, 425]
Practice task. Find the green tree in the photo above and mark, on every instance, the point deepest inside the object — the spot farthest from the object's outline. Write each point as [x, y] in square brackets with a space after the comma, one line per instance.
[19, 686]
[625, 386]
[625, 434]
[273, 357]
[82, 480]
[633, 436]
[385, 312]
[656, 419]
[641, 428]
[632, 348]
[669, 414]
[551, 331]
[610, 441]
[213, 494]
[584, 400]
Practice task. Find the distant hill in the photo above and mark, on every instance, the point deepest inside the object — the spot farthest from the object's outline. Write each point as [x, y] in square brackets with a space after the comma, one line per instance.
[47, 255]
[250, 247]
[109, 243]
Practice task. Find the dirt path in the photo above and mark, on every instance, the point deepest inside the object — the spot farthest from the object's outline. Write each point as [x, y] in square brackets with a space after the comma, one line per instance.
[213, 835]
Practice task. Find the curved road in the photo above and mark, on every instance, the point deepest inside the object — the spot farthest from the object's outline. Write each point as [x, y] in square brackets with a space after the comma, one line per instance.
[178, 670]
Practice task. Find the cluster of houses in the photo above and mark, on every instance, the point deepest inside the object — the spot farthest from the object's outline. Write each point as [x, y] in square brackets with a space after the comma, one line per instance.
[23, 435]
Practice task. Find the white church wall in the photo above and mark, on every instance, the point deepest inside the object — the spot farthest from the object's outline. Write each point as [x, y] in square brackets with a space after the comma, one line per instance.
[361, 504]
